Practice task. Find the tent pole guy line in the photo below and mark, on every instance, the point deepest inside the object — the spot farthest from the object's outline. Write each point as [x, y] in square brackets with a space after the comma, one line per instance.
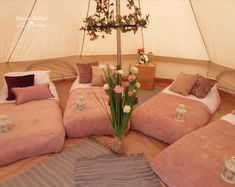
[84, 33]
[203, 39]
[22, 31]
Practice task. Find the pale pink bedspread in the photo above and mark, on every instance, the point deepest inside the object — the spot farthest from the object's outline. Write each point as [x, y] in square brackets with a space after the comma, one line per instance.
[92, 121]
[36, 129]
[197, 159]
[156, 117]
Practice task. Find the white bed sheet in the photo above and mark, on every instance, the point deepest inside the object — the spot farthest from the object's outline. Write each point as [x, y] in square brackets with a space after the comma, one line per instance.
[229, 118]
[212, 99]
[76, 85]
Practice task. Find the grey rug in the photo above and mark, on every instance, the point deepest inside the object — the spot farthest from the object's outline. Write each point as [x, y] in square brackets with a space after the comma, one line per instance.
[114, 171]
[59, 171]
[144, 95]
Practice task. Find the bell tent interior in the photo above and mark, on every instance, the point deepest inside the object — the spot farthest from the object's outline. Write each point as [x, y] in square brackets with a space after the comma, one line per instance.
[179, 38]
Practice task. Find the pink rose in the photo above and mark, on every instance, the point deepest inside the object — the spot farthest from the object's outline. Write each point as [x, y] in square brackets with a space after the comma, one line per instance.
[118, 89]
[130, 93]
[106, 97]
[131, 77]
[125, 84]
[141, 50]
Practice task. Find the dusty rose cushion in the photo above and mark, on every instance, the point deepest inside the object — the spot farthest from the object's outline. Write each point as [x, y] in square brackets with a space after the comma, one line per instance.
[18, 81]
[98, 77]
[203, 86]
[85, 72]
[184, 83]
[37, 92]
[233, 112]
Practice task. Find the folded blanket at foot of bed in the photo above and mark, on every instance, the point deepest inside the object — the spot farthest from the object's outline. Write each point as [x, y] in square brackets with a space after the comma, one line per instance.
[93, 120]
[197, 159]
[36, 129]
[156, 117]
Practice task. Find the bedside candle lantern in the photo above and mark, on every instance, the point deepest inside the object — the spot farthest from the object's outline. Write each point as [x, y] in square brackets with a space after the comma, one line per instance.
[4, 124]
[228, 173]
[180, 113]
[81, 103]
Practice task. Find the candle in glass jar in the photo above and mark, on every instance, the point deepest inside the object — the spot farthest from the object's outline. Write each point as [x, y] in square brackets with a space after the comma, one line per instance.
[180, 113]
[81, 103]
[4, 124]
[228, 173]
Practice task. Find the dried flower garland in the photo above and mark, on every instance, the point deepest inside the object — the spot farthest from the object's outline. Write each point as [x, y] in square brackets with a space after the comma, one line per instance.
[105, 20]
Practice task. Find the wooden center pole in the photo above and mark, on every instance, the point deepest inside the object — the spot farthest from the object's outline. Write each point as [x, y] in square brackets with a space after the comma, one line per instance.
[119, 50]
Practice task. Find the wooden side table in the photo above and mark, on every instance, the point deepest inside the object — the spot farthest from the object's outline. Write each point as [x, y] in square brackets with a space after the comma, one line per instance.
[146, 75]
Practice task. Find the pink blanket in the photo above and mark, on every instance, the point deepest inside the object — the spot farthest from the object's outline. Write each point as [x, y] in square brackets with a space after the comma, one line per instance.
[156, 117]
[197, 159]
[36, 129]
[92, 121]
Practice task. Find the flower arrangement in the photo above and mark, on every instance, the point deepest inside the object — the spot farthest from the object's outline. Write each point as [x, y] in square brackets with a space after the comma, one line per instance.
[121, 96]
[143, 59]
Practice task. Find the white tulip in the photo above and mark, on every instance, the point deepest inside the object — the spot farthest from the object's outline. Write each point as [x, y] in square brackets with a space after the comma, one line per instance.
[134, 70]
[137, 84]
[126, 109]
[121, 72]
[106, 86]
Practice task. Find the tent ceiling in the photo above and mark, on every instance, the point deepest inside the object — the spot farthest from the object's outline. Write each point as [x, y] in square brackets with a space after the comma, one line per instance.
[173, 30]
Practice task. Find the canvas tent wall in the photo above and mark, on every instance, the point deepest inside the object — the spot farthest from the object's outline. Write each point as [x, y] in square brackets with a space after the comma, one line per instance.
[189, 36]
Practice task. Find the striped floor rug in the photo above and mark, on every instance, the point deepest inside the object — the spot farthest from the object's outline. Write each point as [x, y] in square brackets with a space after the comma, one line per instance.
[115, 171]
[59, 171]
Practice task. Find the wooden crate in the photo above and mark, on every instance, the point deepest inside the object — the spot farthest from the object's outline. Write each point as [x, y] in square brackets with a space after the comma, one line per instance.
[146, 75]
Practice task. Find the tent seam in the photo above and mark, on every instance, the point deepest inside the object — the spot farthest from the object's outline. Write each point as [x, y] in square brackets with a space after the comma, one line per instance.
[17, 42]
[200, 31]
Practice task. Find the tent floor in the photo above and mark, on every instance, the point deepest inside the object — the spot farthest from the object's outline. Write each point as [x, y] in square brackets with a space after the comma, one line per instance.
[135, 142]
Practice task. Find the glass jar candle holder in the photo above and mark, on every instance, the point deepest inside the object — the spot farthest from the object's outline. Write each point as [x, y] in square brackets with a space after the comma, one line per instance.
[80, 104]
[228, 173]
[180, 113]
[4, 124]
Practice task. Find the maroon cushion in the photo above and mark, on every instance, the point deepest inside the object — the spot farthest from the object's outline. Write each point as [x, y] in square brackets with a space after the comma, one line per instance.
[85, 72]
[18, 81]
[203, 86]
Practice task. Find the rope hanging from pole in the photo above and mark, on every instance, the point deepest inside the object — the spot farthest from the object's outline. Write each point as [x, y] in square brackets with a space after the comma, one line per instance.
[84, 33]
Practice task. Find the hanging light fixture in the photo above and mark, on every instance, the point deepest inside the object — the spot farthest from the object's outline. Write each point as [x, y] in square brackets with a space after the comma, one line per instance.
[104, 20]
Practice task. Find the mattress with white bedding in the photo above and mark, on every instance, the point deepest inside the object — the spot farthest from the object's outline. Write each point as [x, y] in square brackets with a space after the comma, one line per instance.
[229, 118]
[212, 99]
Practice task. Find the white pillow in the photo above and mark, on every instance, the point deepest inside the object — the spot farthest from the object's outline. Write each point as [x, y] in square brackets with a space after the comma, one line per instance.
[40, 77]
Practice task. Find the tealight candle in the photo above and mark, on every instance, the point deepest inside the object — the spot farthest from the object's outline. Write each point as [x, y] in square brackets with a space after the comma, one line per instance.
[228, 173]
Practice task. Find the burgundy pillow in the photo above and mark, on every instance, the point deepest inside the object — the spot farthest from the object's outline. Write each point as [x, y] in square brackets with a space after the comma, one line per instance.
[18, 81]
[37, 92]
[203, 86]
[85, 72]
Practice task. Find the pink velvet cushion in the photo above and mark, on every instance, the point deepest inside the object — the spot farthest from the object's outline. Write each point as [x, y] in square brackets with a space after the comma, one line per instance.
[18, 81]
[37, 92]
[203, 86]
[85, 72]
[184, 83]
